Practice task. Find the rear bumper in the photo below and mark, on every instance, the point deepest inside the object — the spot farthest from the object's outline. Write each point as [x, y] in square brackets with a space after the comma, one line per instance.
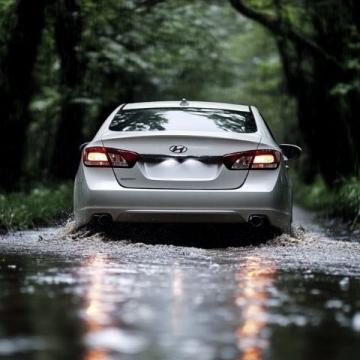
[265, 193]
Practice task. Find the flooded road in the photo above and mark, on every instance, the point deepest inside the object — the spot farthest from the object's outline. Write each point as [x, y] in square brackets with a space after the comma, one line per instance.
[95, 297]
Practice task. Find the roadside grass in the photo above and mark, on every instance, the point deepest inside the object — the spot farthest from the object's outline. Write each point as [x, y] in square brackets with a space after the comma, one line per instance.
[43, 205]
[342, 202]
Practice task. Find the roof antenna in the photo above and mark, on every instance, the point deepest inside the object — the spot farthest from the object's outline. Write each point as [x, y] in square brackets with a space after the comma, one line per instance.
[184, 102]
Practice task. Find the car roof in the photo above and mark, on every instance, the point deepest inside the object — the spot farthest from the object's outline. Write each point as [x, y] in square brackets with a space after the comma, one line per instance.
[186, 104]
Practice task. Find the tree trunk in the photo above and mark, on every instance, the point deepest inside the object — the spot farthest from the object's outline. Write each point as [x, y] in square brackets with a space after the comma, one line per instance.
[16, 87]
[68, 33]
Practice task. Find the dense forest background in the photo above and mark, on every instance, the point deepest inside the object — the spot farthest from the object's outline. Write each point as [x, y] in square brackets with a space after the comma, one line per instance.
[66, 64]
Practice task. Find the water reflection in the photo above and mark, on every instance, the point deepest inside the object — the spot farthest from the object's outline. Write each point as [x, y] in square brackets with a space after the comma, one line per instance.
[95, 354]
[177, 292]
[95, 314]
[254, 281]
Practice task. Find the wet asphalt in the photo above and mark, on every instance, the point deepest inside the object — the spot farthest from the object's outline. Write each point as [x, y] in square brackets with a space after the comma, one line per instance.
[180, 292]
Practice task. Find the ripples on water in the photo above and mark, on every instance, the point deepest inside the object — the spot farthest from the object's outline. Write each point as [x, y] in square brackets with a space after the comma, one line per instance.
[178, 292]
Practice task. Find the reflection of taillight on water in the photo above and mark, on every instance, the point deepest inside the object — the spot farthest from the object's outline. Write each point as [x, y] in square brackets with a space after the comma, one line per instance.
[265, 159]
[254, 281]
[96, 315]
[99, 156]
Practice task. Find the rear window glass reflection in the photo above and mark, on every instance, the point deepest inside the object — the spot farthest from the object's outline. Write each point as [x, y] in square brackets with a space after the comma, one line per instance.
[189, 119]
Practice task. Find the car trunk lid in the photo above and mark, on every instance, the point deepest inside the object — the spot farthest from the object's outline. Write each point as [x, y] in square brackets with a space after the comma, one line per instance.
[179, 160]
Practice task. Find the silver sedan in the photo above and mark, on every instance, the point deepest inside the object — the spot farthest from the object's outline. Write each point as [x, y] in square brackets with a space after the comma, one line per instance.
[185, 162]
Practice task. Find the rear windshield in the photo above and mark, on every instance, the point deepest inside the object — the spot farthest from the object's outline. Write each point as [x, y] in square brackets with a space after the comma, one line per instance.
[189, 119]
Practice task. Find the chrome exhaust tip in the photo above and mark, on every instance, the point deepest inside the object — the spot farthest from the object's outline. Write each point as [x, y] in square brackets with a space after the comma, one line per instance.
[256, 220]
[103, 219]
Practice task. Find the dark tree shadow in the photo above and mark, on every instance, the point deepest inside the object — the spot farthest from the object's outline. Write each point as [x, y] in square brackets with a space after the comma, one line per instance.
[185, 234]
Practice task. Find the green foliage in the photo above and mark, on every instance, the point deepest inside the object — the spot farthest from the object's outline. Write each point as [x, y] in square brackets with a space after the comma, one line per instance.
[43, 205]
[153, 52]
[349, 197]
[342, 201]
[6, 22]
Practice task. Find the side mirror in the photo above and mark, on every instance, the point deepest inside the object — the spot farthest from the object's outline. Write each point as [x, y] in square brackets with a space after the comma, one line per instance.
[81, 147]
[292, 152]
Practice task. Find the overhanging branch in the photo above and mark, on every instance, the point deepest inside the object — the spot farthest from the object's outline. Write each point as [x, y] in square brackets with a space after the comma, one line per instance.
[278, 28]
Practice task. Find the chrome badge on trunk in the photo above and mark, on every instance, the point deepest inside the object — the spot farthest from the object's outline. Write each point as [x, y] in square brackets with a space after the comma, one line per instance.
[179, 149]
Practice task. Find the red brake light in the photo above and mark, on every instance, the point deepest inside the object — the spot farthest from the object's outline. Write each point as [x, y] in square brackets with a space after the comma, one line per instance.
[99, 156]
[254, 160]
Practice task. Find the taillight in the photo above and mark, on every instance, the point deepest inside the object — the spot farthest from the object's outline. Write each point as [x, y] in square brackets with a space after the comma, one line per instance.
[254, 160]
[99, 156]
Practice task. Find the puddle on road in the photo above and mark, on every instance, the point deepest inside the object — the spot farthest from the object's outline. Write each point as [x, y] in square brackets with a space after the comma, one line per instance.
[91, 296]
[196, 245]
